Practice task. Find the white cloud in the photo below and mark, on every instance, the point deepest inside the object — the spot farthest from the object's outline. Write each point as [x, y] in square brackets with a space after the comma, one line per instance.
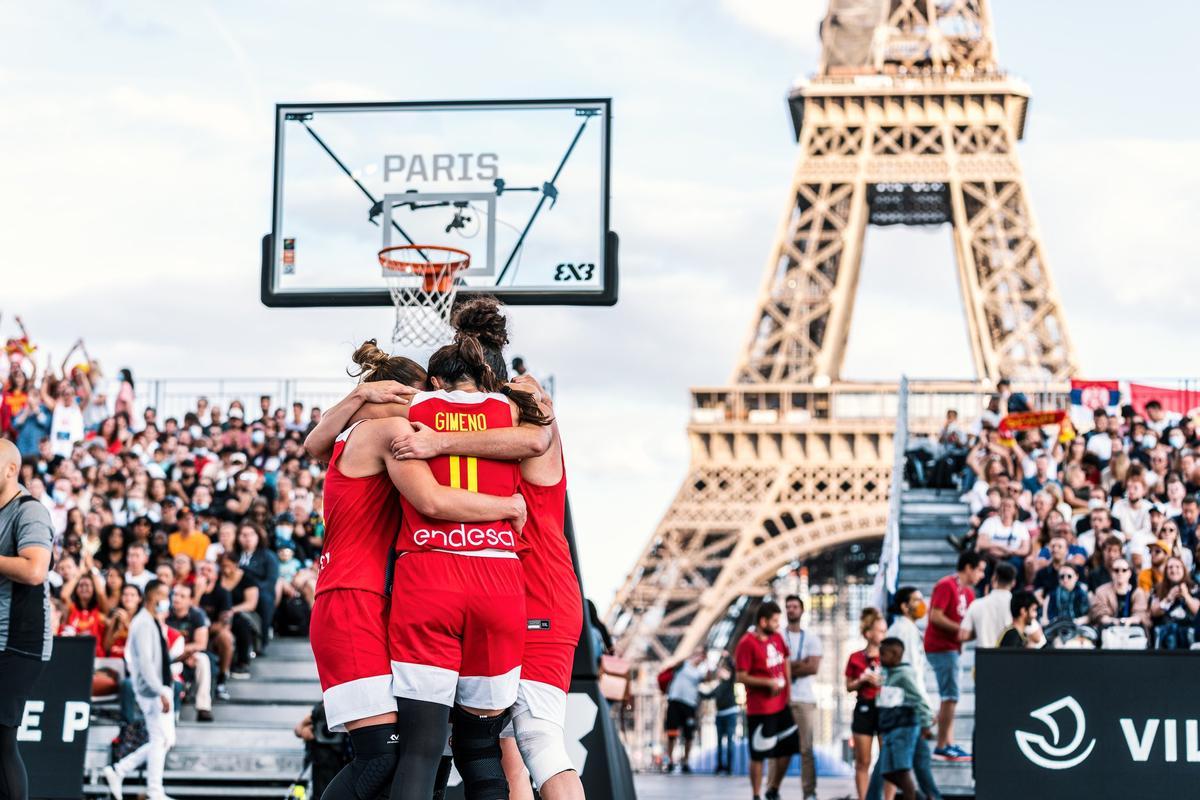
[793, 22]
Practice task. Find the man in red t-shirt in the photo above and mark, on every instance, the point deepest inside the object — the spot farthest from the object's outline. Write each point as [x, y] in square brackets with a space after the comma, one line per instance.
[762, 667]
[947, 606]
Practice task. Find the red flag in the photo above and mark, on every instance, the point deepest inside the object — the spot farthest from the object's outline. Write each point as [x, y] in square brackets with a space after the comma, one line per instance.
[1181, 401]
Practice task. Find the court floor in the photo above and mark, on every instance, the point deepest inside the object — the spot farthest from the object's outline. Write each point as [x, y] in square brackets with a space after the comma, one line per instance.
[709, 787]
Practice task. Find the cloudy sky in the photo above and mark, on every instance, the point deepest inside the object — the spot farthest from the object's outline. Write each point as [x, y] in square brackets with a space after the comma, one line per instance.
[136, 167]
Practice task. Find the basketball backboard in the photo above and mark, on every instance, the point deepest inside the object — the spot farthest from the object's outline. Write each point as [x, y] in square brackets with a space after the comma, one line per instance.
[521, 185]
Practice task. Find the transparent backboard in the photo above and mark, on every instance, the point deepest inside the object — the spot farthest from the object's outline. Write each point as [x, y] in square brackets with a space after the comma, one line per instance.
[522, 186]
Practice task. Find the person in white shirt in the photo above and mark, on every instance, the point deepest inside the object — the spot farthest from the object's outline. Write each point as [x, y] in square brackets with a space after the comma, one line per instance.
[1003, 536]
[149, 665]
[137, 558]
[908, 607]
[988, 616]
[1133, 512]
[66, 424]
[805, 651]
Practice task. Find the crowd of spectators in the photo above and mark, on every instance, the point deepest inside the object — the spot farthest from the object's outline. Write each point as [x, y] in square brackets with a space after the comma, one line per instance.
[221, 505]
[1100, 526]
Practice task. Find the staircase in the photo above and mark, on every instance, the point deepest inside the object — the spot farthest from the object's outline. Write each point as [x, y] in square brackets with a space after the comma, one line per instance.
[249, 751]
[927, 517]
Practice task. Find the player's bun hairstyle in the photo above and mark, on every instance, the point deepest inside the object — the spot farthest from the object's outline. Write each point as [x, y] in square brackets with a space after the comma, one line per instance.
[376, 365]
[477, 352]
[867, 619]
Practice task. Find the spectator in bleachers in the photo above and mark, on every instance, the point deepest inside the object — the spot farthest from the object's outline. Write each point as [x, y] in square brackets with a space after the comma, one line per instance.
[1004, 537]
[1100, 527]
[245, 624]
[1119, 602]
[188, 540]
[1174, 607]
[1188, 520]
[136, 559]
[262, 565]
[193, 624]
[1070, 599]
[1149, 578]
[1100, 566]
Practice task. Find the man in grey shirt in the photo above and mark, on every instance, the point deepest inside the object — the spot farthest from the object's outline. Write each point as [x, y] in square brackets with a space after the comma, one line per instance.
[26, 544]
[149, 666]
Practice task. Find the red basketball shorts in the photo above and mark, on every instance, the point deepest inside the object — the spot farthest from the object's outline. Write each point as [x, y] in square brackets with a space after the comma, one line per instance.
[457, 629]
[349, 641]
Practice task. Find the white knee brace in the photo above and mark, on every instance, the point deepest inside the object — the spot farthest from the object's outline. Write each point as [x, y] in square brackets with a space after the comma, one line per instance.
[542, 747]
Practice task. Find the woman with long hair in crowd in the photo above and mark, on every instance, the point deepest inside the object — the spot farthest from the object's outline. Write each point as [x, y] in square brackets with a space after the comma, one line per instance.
[262, 565]
[117, 630]
[244, 620]
[1174, 607]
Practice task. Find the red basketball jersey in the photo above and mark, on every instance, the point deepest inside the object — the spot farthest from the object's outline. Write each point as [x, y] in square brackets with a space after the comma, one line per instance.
[462, 411]
[552, 596]
[362, 516]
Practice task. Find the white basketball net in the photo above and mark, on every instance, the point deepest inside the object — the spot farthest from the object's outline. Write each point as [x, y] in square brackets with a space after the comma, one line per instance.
[423, 296]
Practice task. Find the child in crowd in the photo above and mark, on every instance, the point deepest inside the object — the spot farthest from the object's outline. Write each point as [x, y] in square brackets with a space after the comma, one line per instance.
[904, 717]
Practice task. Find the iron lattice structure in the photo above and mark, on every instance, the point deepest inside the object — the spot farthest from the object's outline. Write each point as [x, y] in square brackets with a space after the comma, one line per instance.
[909, 121]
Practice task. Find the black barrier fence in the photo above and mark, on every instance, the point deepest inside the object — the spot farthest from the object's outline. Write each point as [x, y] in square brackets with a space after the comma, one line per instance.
[1063, 723]
[54, 729]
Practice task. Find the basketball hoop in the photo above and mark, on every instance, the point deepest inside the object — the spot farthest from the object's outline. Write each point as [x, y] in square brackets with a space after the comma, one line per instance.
[423, 282]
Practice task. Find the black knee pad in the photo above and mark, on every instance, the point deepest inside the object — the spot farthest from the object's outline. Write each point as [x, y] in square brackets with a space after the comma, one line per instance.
[423, 732]
[369, 775]
[475, 742]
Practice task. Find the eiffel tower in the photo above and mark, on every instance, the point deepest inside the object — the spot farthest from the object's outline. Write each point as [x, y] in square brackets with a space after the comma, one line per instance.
[908, 121]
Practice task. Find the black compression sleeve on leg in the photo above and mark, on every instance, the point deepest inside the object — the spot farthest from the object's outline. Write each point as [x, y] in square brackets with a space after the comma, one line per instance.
[475, 742]
[423, 731]
[14, 784]
[443, 777]
[376, 750]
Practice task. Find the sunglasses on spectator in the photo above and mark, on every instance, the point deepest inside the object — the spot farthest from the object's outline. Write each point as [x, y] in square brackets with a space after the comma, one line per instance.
[1067, 576]
[1121, 569]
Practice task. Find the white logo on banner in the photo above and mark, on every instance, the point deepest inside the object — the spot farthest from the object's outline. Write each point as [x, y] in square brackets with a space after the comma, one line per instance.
[1056, 755]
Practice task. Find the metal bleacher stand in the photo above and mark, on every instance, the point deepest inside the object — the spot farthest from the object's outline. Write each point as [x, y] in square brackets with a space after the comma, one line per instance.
[916, 552]
[248, 751]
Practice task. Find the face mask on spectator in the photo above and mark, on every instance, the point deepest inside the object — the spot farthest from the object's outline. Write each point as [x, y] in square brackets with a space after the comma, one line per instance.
[1096, 503]
[919, 611]
[162, 606]
[199, 508]
[134, 506]
[1177, 441]
[196, 431]
[258, 437]
[60, 497]
[1149, 441]
[283, 531]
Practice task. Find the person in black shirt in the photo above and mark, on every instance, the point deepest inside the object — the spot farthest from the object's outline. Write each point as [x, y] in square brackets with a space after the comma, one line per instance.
[197, 668]
[261, 564]
[244, 623]
[1025, 609]
[217, 605]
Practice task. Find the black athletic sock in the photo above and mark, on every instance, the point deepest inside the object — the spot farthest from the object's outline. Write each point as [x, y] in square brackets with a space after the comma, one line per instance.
[423, 729]
[14, 784]
[376, 751]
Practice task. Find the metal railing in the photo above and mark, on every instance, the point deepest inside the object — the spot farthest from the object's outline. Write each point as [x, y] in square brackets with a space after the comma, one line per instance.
[174, 397]
[889, 558]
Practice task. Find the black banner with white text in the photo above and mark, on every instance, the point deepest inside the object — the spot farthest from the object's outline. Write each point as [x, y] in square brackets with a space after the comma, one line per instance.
[54, 729]
[1086, 723]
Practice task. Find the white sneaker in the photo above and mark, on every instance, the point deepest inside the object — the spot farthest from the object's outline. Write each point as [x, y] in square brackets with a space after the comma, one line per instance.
[114, 781]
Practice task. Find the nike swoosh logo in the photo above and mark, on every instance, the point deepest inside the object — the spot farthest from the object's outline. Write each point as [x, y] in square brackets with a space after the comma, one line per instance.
[760, 742]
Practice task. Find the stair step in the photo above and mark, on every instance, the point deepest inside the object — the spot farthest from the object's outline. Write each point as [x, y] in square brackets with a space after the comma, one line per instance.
[935, 507]
[939, 546]
[255, 716]
[925, 559]
[264, 692]
[290, 649]
[213, 736]
[272, 669]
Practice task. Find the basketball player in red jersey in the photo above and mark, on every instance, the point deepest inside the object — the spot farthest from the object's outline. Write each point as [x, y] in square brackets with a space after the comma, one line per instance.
[348, 629]
[554, 607]
[457, 626]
